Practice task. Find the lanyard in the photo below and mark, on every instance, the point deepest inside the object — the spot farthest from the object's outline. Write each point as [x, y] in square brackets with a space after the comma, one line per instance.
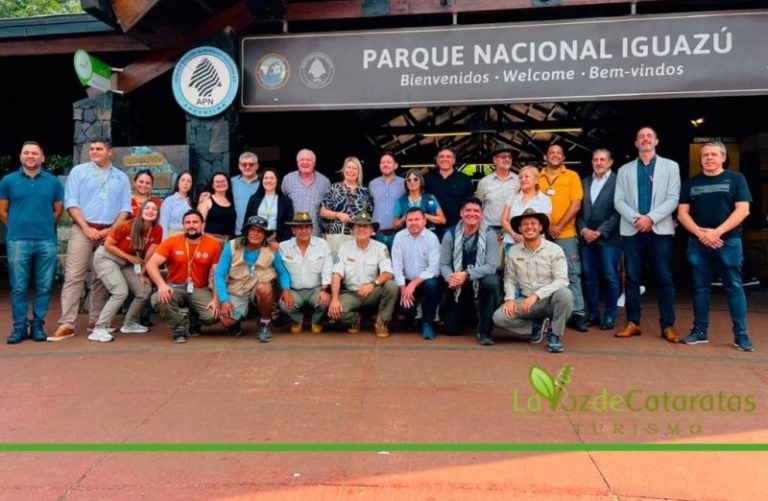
[190, 260]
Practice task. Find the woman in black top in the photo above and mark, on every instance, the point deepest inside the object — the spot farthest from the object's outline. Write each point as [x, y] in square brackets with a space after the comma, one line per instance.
[269, 203]
[217, 206]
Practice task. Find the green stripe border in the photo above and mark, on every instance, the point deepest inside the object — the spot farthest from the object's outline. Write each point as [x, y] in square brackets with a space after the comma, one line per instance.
[380, 447]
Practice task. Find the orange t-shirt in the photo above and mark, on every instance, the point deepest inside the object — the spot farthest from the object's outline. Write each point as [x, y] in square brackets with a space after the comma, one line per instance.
[122, 236]
[564, 189]
[202, 256]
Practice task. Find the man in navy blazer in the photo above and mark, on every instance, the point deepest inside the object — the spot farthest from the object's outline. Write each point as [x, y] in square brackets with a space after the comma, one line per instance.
[647, 193]
[598, 227]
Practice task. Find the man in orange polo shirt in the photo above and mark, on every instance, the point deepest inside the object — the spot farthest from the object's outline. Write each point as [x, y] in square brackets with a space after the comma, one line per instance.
[563, 187]
[191, 257]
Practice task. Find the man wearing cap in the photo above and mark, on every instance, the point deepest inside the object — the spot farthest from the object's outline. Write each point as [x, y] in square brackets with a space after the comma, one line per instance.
[468, 261]
[416, 263]
[539, 269]
[190, 256]
[310, 265]
[244, 275]
[362, 278]
[495, 188]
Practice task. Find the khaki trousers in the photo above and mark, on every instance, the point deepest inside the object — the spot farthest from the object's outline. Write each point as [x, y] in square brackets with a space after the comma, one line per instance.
[118, 279]
[306, 300]
[176, 312]
[383, 297]
[80, 251]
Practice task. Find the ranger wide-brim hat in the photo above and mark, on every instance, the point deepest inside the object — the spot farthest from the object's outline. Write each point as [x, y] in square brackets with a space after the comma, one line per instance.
[300, 219]
[543, 219]
[257, 221]
[365, 219]
[501, 148]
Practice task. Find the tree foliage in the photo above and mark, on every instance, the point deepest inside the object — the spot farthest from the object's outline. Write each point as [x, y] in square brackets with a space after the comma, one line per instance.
[26, 8]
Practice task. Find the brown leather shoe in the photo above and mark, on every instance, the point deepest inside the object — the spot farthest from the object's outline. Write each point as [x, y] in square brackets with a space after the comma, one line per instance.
[629, 331]
[670, 335]
[297, 327]
[63, 332]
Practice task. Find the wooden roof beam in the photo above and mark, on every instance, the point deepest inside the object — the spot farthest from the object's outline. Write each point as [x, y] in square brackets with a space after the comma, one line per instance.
[68, 45]
[130, 12]
[146, 69]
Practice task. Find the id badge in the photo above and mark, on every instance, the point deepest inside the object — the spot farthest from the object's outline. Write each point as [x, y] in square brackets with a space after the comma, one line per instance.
[190, 287]
[137, 268]
[549, 192]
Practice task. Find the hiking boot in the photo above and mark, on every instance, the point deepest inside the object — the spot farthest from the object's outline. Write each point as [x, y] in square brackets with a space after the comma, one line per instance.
[317, 328]
[17, 336]
[540, 328]
[696, 337]
[297, 327]
[380, 328]
[354, 327]
[554, 345]
[743, 343]
[265, 332]
[37, 334]
[180, 336]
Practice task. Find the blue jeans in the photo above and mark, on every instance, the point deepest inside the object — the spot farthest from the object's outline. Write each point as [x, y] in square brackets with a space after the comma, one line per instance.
[601, 264]
[658, 250]
[23, 257]
[570, 247]
[429, 295]
[726, 260]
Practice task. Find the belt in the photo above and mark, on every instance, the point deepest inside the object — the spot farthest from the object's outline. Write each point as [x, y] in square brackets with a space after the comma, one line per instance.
[388, 232]
[98, 226]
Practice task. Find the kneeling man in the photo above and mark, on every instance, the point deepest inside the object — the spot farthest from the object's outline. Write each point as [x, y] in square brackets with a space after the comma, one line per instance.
[362, 278]
[539, 268]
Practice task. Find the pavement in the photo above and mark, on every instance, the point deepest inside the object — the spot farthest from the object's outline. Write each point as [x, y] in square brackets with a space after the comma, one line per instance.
[337, 388]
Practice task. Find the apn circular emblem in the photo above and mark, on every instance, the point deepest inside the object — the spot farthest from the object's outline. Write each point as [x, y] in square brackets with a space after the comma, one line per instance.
[272, 71]
[205, 81]
[316, 70]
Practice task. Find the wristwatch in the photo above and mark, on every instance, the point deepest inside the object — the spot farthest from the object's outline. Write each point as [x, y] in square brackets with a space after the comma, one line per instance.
[376, 282]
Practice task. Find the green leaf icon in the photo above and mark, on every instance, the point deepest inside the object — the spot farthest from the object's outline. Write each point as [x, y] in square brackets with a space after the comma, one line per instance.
[544, 384]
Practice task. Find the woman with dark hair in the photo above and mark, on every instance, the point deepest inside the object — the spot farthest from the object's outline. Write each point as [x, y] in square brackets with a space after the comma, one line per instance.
[217, 205]
[119, 264]
[174, 207]
[415, 197]
[142, 190]
[270, 203]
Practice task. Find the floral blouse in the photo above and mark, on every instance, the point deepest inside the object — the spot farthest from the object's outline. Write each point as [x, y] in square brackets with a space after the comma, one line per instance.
[340, 198]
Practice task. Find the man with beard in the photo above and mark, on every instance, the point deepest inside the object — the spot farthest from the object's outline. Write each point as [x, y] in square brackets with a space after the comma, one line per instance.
[244, 275]
[190, 258]
[539, 269]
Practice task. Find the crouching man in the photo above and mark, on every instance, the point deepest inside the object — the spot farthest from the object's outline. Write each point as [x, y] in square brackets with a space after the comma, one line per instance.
[540, 269]
[310, 264]
[362, 278]
[190, 257]
[244, 275]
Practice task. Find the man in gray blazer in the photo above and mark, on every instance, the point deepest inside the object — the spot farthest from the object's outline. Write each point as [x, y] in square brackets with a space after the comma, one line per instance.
[647, 192]
[598, 227]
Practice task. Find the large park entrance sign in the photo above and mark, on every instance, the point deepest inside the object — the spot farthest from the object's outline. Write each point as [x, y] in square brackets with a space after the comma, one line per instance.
[686, 55]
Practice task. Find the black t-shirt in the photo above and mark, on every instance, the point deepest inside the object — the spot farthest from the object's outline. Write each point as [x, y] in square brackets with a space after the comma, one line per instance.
[713, 198]
[450, 192]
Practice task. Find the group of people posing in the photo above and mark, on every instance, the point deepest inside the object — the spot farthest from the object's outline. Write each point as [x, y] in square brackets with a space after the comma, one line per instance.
[510, 253]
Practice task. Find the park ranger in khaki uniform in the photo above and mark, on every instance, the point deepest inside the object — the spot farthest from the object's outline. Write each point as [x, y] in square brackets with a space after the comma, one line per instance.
[310, 264]
[362, 278]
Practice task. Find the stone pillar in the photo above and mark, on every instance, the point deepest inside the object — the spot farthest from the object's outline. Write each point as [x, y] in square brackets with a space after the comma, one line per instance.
[103, 116]
[210, 142]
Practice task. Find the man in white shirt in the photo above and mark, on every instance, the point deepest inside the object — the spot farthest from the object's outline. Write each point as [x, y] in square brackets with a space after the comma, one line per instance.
[309, 263]
[416, 263]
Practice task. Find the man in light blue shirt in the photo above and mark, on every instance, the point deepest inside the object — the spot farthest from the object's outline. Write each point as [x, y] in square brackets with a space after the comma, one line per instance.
[97, 197]
[385, 191]
[245, 185]
[416, 264]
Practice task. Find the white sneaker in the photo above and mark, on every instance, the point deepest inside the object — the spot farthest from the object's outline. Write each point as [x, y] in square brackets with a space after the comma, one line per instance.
[133, 329]
[100, 336]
